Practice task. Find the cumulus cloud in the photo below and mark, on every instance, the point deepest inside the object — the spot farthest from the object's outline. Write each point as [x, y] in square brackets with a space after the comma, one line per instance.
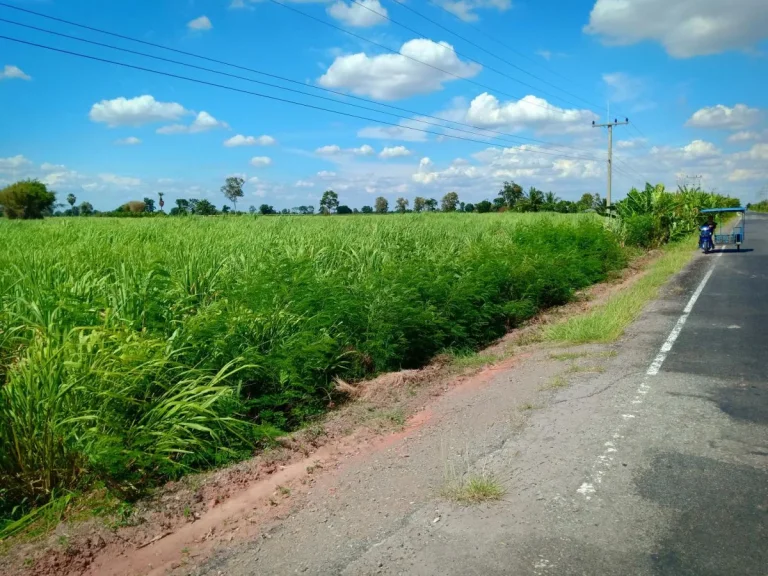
[746, 174]
[304, 184]
[397, 76]
[685, 28]
[203, 123]
[745, 136]
[757, 152]
[135, 111]
[125, 181]
[130, 141]
[13, 73]
[325, 174]
[330, 150]
[362, 15]
[48, 167]
[200, 23]
[426, 173]
[532, 112]
[261, 161]
[13, 163]
[394, 152]
[631, 144]
[364, 150]
[467, 9]
[241, 140]
[725, 118]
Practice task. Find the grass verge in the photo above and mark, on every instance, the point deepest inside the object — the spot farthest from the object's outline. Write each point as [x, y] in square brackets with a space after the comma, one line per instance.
[607, 322]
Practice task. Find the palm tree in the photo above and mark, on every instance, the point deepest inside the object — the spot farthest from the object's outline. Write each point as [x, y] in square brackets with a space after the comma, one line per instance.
[71, 199]
[161, 202]
[550, 201]
[534, 200]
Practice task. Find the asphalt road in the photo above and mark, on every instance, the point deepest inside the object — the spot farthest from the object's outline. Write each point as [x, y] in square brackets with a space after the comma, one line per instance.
[656, 466]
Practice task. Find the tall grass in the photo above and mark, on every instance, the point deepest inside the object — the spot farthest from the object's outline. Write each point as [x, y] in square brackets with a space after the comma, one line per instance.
[132, 351]
[607, 322]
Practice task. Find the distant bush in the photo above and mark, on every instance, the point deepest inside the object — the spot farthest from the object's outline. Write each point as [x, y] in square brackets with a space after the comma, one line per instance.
[653, 216]
[28, 199]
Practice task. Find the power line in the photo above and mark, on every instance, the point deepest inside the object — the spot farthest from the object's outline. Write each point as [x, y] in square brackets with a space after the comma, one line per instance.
[270, 97]
[255, 71]
[467, 40]
[393, 51]
[465, 56]
[474, 133]
[492, 37]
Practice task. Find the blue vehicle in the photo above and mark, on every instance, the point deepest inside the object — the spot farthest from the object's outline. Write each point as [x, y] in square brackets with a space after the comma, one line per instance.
[705, 239]
[708, 240]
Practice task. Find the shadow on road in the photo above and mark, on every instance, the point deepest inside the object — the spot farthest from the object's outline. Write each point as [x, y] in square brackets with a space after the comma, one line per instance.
[706, 537]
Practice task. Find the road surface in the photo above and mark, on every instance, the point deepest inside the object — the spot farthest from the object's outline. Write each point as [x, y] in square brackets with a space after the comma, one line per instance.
[656, 466]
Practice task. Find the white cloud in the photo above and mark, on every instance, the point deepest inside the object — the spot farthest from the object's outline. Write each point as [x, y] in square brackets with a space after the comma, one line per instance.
[580, 169]
[64, 178]
[396, 76]
[700, 149]
[402, 132]
[200, 23]
[360, 15]
[135, 112]
[13, 163]
[744, 174]
[531, 112]
[394, 152]
[725, 118]
[631, 144]
[364, 150]
[203, 123]
[325, 174]
[622, 86]
[696, 150]
[426, 173]
[745, 136]
[757, 152]
[241, 140]
[466, 9]
[546, 54]
[685, 28]
[261, 161]
[13, 72]
[48, 167]
[130, 141]
[330, 150]
[304, 184]
[125, 181]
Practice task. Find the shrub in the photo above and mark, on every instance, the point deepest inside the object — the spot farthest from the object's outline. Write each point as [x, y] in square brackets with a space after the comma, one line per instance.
[28, 199]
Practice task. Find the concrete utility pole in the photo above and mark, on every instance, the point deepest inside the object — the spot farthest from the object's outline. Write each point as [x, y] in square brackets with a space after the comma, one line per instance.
[610, 126]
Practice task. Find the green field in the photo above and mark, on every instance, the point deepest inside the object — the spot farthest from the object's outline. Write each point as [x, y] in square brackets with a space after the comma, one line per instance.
[132, 351]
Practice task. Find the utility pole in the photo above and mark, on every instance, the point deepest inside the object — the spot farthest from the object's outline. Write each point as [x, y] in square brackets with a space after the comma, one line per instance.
[610, 126]
[696, 178]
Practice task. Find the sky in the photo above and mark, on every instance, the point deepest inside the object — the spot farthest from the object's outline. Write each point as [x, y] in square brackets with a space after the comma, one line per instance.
[393, 98]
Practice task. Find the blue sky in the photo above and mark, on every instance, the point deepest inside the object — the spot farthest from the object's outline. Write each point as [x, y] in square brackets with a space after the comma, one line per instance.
[690, 75]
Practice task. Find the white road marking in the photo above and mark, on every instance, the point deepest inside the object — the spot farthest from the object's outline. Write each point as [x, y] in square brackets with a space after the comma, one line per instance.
[655, 366]
[602, 462]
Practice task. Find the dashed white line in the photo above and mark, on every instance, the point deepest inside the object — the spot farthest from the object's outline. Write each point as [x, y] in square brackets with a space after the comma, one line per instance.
[587, 489]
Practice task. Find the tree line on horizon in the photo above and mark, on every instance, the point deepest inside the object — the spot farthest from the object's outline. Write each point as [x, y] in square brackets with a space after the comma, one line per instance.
[30, 199]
